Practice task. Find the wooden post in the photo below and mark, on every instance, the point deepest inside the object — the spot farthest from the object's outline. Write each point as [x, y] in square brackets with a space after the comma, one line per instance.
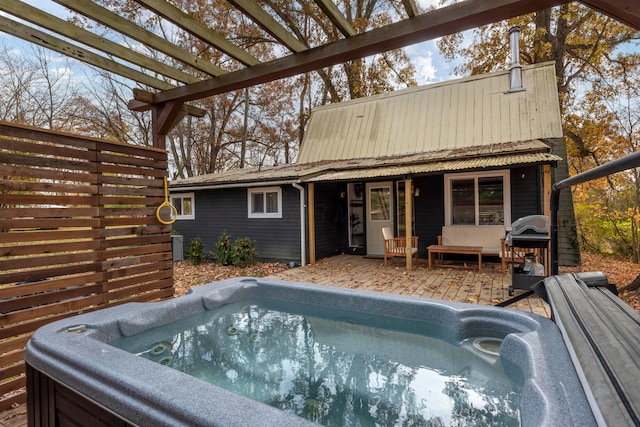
[312, 222]
[408, 217]
[546, 184]
[159, 140]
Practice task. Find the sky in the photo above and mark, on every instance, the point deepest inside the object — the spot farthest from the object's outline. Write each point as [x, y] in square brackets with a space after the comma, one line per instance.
[430, 65]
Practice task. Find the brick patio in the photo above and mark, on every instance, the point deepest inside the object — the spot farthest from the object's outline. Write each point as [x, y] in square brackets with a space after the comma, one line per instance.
[452, 283]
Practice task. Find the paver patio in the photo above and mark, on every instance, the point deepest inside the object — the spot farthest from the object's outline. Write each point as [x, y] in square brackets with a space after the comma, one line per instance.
[455, 283]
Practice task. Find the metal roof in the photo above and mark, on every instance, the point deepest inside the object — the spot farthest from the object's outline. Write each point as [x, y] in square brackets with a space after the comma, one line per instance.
[250, 176]
[459, 114]
[484, 157]
[437, 166]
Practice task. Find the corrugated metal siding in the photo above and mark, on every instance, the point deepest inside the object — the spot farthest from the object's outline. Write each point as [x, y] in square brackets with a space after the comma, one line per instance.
[490, 156]
[226, 210]
[440, 166]
[568, 248]
[469, 112]
[243, 177]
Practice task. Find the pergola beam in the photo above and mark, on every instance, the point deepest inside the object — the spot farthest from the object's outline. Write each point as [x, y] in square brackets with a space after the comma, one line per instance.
[196, 28]
[142, 102]
[77, 52]
[455, 18]
[111, 20]
[270, 25]
[625, 11]
[411, 8]
[337, 18]
[45, 20]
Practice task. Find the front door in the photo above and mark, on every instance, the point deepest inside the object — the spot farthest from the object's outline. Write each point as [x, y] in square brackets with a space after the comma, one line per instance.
[379, 214]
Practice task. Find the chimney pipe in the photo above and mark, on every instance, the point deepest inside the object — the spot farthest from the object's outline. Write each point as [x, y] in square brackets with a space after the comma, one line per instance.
[515, 71]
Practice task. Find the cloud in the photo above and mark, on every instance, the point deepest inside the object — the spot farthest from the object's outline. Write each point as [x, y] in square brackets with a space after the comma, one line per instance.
[424, 4]
[425, 71]
[421, 55]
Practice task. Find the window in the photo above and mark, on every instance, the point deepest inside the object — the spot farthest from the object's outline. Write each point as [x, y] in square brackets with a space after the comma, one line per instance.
[185, 205]
[265, 202]
[477, 199]
[380, 203]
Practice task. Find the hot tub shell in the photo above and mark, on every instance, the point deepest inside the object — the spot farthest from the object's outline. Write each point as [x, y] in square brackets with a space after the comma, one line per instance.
[73, 372]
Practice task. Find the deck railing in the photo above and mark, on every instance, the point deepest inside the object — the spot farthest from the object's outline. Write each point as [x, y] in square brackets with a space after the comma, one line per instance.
[78, 232]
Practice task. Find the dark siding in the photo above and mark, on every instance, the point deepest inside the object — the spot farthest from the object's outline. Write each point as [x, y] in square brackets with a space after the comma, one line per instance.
[526, 192]
[330, 217]
[568, 248]
[226, 209]
[429, 211]
[526, 199]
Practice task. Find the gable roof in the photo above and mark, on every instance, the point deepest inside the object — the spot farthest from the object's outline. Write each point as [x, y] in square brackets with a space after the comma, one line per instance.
[471, 112]
[464, 124]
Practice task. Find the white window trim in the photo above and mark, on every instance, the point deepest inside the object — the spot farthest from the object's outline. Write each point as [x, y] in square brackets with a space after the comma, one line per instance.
[263, 190]
[505, 174]
[193, 204]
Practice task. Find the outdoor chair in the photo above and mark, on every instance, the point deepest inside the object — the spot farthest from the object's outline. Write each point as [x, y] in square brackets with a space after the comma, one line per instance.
[397, 246]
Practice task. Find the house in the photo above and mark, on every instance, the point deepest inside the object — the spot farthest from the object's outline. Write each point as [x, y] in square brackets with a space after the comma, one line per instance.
[472, 154]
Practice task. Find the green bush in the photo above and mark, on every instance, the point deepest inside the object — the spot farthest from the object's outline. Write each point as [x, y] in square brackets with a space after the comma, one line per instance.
[244, 252]
[196, 251]
[224, 250]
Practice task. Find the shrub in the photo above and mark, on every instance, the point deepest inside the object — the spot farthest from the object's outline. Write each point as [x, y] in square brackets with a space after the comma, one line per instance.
[224, 250]
[244, 252]
[196, 251]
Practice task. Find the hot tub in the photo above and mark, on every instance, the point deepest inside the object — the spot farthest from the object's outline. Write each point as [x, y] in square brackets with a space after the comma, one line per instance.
[78, 369]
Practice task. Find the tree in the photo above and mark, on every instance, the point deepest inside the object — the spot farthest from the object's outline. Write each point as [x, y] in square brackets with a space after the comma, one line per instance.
[103, 112]
[36, 89]
[265, 125]
[580, 40]
[585, 46]
[609, 128]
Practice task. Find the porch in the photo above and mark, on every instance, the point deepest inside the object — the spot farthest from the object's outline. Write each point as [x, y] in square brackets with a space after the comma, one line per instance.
[486, 287]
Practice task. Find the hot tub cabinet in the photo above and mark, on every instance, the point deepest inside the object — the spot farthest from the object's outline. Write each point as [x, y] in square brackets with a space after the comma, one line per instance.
[75, 377]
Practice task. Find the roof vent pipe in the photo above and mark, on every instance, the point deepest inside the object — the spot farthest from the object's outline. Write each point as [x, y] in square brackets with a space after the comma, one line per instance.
[515, 71]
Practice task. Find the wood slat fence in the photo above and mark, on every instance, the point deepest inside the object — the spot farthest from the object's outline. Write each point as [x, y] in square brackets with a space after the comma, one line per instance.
[78, 232]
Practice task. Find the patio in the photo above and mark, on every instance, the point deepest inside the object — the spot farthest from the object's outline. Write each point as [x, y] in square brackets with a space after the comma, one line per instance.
[452, 283]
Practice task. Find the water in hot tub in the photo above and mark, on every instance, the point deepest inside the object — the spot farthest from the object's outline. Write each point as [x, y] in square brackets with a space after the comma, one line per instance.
[338, 368]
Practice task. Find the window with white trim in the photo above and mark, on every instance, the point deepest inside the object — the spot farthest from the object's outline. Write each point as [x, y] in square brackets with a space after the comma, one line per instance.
[185, 205]
[478, 198]
[265, 202]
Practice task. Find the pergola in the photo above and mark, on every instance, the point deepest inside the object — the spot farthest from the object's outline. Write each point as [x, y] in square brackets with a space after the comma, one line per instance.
[169, 103]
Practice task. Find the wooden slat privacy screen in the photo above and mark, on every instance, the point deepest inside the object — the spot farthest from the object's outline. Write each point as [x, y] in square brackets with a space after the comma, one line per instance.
[78, 232]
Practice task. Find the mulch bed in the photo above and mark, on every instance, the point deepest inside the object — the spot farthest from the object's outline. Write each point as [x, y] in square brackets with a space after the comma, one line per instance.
[186, 276]
[621, 273]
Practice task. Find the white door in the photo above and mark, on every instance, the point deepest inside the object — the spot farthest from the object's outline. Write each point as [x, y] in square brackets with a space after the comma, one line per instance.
[379, 214]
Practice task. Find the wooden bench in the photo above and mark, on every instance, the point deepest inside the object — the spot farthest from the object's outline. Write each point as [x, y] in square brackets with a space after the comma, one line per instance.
[464, 250]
